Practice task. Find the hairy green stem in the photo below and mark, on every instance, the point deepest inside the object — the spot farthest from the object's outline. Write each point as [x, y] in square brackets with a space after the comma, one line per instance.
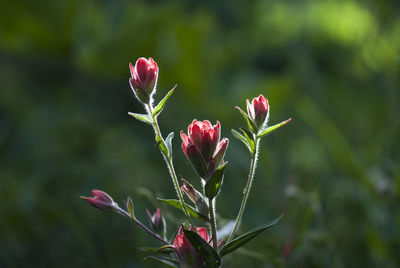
[170, 165]
[213, 223]
[246, 189]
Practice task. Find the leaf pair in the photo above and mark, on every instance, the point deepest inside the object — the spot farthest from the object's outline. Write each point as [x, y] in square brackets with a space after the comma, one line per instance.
[157, 110]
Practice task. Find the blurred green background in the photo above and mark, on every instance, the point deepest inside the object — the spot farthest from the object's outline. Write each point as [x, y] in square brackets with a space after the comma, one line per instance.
[333, 66]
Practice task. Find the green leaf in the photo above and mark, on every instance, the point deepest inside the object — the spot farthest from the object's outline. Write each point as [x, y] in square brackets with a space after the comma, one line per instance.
[243, 239]
[269, 129]
[161, 145]
[250, 122]
[206, 251]
[168, 142]
[167, 249]
[177, 204]
[242, 138]
[142, 117]
[213, 185]
[129, 205]
[249, 138]
[166, 261]
[160, 105]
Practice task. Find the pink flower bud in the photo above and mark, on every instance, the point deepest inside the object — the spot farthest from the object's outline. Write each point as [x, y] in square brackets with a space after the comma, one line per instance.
[157, 221]
[189, 256]
[203, 148]
[258, 111]
[144, 78]
[101, 200]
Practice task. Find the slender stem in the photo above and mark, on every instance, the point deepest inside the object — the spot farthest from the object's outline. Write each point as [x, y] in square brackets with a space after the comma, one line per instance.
[170, 165]
[213, 224]
[246, 190]
[126, 214]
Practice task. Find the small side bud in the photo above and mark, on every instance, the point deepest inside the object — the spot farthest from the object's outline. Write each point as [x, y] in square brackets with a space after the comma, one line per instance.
[157, 221]
[101, 200]
[196, 197]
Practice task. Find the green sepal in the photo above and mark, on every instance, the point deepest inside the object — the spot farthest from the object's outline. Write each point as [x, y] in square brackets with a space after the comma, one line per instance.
[160, 105]
[177, 204]
[250, 122]
[242, 138]
[166, 261]
[213, 185]
[168, 142]
[272, 128]
[142, 117]
[161, 145]
[250, 139]
[243, 239]
[210, 256]
[129, 205]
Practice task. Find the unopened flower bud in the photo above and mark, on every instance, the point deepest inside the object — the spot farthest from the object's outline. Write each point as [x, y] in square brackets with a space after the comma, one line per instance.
[101, 200]
[203, 148]
[258, 111]
[157, 221]
[196, 197]
[144, 79]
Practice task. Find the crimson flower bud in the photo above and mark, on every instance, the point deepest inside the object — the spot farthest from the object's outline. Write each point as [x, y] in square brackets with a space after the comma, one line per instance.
[101, 200]
[157, 221]
[203, 148]
[196, 197]
[144, 79]
[258, 111]
[188, 256]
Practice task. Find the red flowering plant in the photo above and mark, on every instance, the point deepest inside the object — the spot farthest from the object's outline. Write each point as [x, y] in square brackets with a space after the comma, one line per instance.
[196, 243]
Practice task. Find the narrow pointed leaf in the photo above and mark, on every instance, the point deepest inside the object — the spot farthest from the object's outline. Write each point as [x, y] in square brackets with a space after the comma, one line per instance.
[213, 185]
[161, 145]
[177, 204]
[168, 142]
[242, 138]
[272, 128]
[249, 138]
[167, 249]
[206, 251]
[160, 105]
[142, 117]
[129, 205]
[166, 261]
[243, 239]
[250, 122]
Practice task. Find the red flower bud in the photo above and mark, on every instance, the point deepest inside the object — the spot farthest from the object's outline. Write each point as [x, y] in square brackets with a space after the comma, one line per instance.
[101, 200]
[189, 256]
[157, 221]
[144, 78]
[258, 111]
[203, 148]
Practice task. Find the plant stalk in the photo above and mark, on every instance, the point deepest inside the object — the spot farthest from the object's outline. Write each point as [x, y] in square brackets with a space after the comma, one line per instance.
[213, 224]
[170, 165]
[247, 189]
